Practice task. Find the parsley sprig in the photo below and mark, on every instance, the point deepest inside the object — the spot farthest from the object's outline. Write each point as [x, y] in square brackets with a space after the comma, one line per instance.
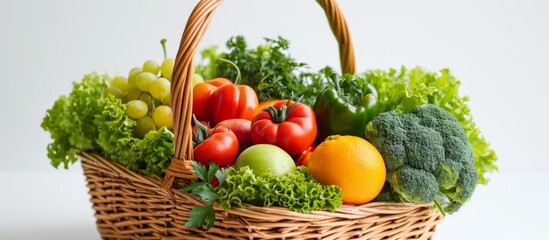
[268, 68]
[204, 188]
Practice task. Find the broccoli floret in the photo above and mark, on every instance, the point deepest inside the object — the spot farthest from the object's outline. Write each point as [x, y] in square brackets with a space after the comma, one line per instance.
[413, 185]
[427, 155]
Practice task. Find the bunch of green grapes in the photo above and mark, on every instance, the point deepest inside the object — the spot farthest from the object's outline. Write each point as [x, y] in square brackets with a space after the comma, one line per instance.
[146, 92]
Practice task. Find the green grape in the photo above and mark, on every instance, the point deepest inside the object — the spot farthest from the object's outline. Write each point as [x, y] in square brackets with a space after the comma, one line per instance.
[132, 76]
[162, 117]
[167, 100]
[160, 88]
[143, 126]
[197, 78]
[121, 83]
[166, 69]
[135, 69]
[136, 109]
[112, 90]
[143, 81]
[133, 94]
[151, 66]
[146, 98]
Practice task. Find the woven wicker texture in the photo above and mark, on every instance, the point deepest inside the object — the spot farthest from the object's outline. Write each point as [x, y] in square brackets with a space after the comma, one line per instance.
[131, 205]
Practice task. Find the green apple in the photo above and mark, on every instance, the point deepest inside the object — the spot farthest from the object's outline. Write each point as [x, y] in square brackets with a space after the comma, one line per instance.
[262, 158]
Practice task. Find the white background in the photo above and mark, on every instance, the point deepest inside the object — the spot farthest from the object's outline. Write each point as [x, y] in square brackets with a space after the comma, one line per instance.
[499, 49]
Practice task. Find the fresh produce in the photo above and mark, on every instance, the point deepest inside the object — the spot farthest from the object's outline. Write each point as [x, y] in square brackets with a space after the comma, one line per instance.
[71, 120]
[202, 101]
[160, 88]
[143, 126]
[115, 129]
[264, 104]
[218, 145]
[136, 109]
[303, 158]
[197, 78]
[151, 66]
[266, 158]
[287, 124]
[166, 68]
[144, 80]
[156, 151]
[233, 101]
[268, 69]
[297, 191]
[218, 99]
[403, 90]
[205, 188]
[240, 128]
[117, 141]
[146, 92]
[428, 157]
[120, 84]
[148, 99]
[351, 163]
[425, 146]
[123, 118]
[132, 77]
[345, 106]
[162, 117]
[399, 90]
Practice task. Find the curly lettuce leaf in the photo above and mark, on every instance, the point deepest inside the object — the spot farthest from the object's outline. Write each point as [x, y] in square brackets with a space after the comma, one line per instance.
[404, 90]
[153, 153]
[71, 120]
[400, 91]
[116, 134]
[297, 191]
[157, 151]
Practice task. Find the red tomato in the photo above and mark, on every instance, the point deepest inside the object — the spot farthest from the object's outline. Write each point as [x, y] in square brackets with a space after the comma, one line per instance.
[303, 158]
[219, 146]
[287, 124]
[202, 93]
[240, 128]
[233, 101]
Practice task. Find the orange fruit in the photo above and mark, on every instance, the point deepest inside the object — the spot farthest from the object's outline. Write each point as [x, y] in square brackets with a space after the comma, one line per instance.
[351, 163]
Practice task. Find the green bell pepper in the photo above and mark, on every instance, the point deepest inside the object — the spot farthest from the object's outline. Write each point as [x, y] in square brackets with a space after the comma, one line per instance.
[345, 107]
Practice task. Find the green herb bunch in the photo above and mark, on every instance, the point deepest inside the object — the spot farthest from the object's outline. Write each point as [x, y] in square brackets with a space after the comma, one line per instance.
[268, 69]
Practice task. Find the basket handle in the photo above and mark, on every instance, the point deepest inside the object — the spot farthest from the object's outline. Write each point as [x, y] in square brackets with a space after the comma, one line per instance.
[181, 91]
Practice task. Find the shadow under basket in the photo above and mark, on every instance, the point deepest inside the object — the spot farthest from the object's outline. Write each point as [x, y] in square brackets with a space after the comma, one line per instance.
[132, 206]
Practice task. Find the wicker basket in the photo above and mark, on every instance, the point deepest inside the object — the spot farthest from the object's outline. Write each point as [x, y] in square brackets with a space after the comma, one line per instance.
[129, 205]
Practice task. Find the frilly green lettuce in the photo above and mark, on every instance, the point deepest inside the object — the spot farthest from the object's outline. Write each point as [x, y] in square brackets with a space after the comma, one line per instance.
[297, 191]
[86, 120]
[71, 120]
[152, 154]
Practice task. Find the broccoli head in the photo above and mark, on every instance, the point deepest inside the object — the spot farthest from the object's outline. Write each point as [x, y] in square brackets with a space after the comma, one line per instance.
[427, 155]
